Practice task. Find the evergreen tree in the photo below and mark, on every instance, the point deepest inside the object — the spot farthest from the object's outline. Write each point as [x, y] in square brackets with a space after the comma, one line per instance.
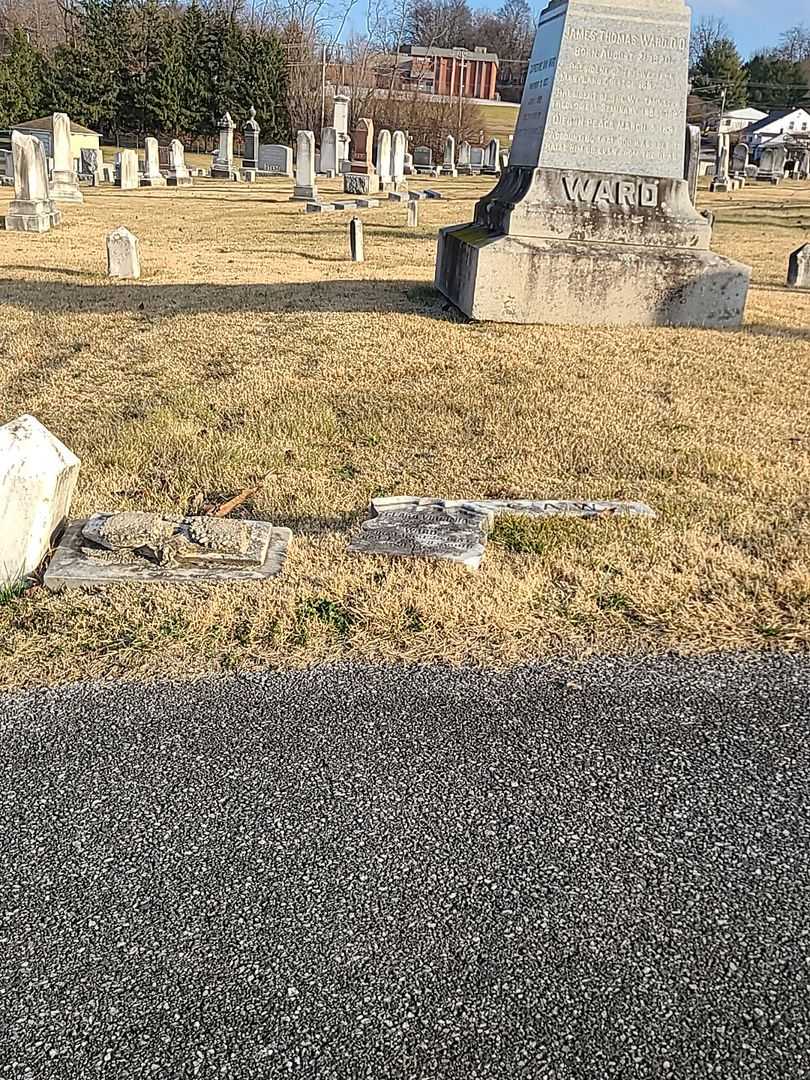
[22, 82]
[719, 68]
[775, 83]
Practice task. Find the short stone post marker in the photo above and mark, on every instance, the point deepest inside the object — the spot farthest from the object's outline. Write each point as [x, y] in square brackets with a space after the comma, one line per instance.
[356, 239]
[123, 259]
[413, 213]
[798, 276]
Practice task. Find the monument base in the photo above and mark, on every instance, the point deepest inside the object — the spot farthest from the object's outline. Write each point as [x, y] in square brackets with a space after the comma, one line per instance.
[361, 183]
[514, 279]
[153, 181]
[26, 216]
[64, 187]
[304, 193]
[178, 179]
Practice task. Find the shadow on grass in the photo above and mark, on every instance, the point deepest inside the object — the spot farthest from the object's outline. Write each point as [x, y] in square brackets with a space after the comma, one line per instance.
[344, 295]
[763, 330]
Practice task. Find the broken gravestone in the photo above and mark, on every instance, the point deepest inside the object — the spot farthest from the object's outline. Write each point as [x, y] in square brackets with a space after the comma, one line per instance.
[455, 533]
[37, 478]
[798, 276]
[142, 547]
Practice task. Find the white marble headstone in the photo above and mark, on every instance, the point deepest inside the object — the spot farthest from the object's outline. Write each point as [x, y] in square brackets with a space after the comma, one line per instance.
[37, 478]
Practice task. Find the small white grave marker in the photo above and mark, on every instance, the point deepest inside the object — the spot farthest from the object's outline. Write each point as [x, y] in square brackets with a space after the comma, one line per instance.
[123, 258]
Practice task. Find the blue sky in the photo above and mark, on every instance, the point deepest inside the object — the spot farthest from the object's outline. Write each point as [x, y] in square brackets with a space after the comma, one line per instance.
[755, 24]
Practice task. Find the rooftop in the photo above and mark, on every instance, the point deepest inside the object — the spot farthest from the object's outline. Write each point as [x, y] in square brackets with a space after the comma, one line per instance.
[45, 123]
[478, 53]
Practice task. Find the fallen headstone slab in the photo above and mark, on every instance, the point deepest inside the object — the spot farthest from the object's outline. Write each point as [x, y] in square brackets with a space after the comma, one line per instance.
[136, 546]
[539, 508]
[37, 477]
[320, 208]
[455, 533]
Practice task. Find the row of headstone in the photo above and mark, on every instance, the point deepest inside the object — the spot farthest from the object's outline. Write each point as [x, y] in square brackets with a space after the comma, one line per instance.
[375, 166]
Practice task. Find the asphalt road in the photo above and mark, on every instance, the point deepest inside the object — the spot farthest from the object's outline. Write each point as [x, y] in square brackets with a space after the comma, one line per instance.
[407, 874]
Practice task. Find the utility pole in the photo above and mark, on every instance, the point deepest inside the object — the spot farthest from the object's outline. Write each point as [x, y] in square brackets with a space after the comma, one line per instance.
[323, 86]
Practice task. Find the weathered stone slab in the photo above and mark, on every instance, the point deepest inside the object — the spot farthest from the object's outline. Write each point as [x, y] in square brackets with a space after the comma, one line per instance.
[540, 508]
[32, 209]
[123, 256]
[128, 178]
[64, 182]
[305, 188]
[457, 534]
[152, 176]
[37, 478]
[320, 208]
[136, 547]
[798, 276]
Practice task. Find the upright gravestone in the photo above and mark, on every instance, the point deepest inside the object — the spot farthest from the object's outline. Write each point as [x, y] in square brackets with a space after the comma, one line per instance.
[691, 159]
[340, 122]
[128, 178]
[356, 240]
[89, 163]
[329, 152]
[449, 163]
[798, 276]
[422, 159]
[398, 144]
[250, 156]
[223, 168]
[409, 166]
[464, 167]
[37, 478]
[592, 221]
[384, 159]
[305, 188]
[31, 209]
[362, 178]
[739, 160]
[804, 165]
[477, 158]
[722, 180]
[492, 157]
[178, 174]
[123, 256]
[772, 164]
[276, 160]
[152, 176]
[64, 182]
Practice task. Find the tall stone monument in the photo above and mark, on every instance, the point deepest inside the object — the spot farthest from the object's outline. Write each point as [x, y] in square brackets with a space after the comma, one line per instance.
[384, 159]
[464, 167]
[591, 222]
[31, 209]
[128, 178]
[305, 188]
[691, 159]
[64, 182]
[178, 175]
[250, 156]
[362, 178]
[449, 163]
[329, 151]
[721, 180]
[223, 166]
[340, 122]
[398, 148]
[152, 176]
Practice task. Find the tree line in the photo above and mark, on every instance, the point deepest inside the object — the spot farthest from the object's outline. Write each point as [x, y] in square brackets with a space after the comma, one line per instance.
[776, 77]
[149, 67]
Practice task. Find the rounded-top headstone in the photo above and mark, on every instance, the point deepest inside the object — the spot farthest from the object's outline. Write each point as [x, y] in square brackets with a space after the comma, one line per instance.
[123, 256]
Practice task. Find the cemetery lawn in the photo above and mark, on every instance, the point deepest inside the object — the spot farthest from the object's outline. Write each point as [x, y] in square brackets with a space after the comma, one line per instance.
[252, 352]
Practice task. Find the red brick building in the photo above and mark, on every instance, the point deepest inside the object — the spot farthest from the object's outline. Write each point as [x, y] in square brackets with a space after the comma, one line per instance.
[471, 73]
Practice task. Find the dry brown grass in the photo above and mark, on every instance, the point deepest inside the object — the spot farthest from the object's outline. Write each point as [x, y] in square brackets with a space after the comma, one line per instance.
[253, 347]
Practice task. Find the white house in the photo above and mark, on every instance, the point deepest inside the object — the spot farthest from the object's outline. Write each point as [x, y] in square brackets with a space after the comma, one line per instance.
[780, 122]
[737, 119]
